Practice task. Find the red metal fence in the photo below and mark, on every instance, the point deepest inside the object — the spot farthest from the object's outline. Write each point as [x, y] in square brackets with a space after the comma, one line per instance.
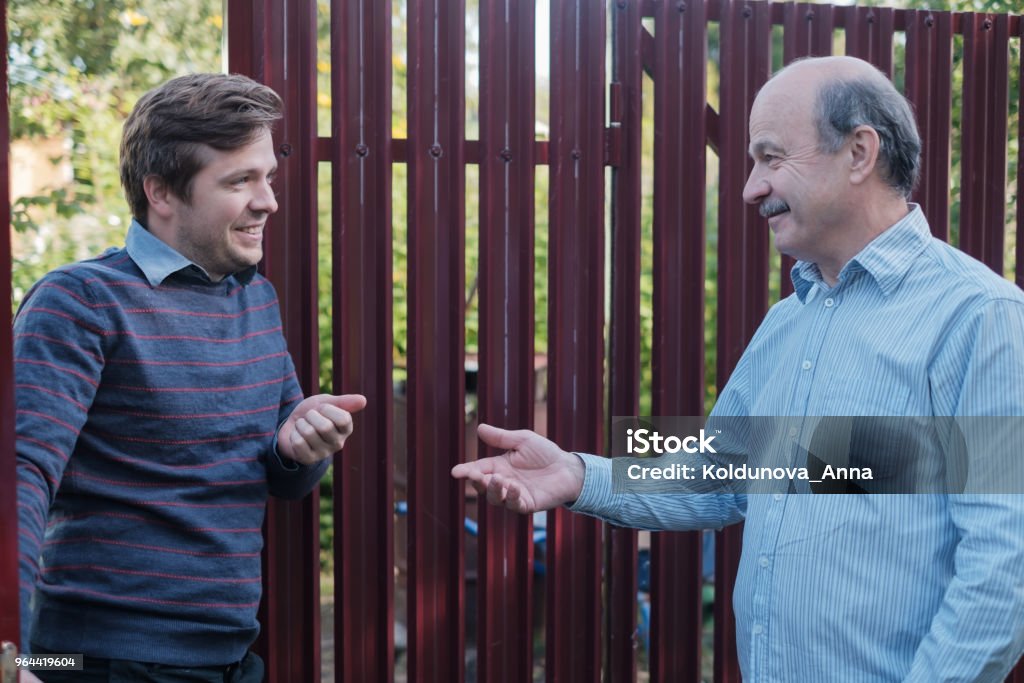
[8, 499]
[593, 335]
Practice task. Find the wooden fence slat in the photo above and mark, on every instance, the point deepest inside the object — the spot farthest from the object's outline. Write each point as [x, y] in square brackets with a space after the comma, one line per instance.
[362, 333]
[929, 73]
[743, 236]
[436, 346]
[1019, 279]
[575, 326]
[807, 30]
[9, 586]
[506, 272]
[743, 255]
[624, 362]
[869, 32]
[678, 345]
[259, 46]
[983, 141]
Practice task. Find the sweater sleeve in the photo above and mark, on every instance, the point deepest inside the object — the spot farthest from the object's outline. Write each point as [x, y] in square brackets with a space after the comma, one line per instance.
[59, 357]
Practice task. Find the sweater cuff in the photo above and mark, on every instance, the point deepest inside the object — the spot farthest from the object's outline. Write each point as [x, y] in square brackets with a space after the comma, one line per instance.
[287, 464]
[596, 496]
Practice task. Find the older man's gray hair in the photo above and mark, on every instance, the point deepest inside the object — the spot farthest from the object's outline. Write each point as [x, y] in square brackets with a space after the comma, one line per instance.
[844, 104]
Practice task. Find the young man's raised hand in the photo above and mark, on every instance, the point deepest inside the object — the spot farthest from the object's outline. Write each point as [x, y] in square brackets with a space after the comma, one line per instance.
[318, 427]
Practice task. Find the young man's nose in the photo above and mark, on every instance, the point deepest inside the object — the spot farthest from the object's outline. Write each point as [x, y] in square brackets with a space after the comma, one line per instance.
[264, 200]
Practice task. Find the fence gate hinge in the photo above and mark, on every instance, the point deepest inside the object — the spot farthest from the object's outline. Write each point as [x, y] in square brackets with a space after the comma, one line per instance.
[8, 667]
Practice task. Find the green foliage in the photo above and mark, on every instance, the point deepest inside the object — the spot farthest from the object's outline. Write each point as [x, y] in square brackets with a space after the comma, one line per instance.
[76, 69]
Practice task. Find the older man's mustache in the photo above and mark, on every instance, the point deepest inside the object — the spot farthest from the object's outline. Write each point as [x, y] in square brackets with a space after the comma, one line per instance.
[772, 207]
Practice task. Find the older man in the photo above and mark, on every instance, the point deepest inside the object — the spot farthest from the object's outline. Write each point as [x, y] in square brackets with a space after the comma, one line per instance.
[885, 320]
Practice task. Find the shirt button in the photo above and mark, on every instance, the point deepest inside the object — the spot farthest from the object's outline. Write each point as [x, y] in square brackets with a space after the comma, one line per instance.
[763, 561]
[758, 629]
[792, 431]
[830, 302]
[806, 365]
[777, 496]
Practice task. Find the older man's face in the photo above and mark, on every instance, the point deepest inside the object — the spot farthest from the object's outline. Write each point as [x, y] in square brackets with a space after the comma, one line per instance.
[799, 189]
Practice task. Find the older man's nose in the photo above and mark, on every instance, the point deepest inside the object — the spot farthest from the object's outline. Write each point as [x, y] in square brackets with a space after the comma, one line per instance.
[756, 189]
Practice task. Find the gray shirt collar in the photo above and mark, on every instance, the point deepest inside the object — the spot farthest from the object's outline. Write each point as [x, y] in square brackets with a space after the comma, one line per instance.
[158, 260]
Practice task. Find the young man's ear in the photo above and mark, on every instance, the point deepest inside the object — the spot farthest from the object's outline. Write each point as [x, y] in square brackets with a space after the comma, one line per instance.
[864, 146]
[159, 195]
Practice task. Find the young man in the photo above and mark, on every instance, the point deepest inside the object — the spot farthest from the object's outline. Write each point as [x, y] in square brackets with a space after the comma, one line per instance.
[157, 406]
[885, 321]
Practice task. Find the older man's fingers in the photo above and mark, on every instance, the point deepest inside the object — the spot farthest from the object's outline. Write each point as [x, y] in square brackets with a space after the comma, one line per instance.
[496, 490]
[514, 499]
[504, 439]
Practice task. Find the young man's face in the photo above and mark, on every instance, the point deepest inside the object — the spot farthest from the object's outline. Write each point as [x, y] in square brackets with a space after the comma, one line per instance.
[221, 227]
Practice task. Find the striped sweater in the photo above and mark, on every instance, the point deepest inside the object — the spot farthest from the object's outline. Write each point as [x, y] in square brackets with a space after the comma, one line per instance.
[148, 399]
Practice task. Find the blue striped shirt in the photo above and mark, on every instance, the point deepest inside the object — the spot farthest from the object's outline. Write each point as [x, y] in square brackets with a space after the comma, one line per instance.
[870, 587]
[148, 398]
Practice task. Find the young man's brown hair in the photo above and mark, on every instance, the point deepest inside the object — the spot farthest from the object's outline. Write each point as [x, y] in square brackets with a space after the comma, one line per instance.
[169, 127]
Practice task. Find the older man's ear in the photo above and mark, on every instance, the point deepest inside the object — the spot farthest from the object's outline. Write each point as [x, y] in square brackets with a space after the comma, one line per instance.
[864, 147]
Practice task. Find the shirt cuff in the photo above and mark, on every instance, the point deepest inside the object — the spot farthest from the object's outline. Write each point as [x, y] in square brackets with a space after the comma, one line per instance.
[596, 495]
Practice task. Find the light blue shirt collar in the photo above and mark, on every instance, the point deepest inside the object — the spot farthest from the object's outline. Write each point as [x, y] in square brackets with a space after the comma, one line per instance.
[887, 258]
[158, 260]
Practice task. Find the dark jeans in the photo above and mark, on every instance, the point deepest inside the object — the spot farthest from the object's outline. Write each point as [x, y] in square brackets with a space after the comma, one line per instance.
[249, 670]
